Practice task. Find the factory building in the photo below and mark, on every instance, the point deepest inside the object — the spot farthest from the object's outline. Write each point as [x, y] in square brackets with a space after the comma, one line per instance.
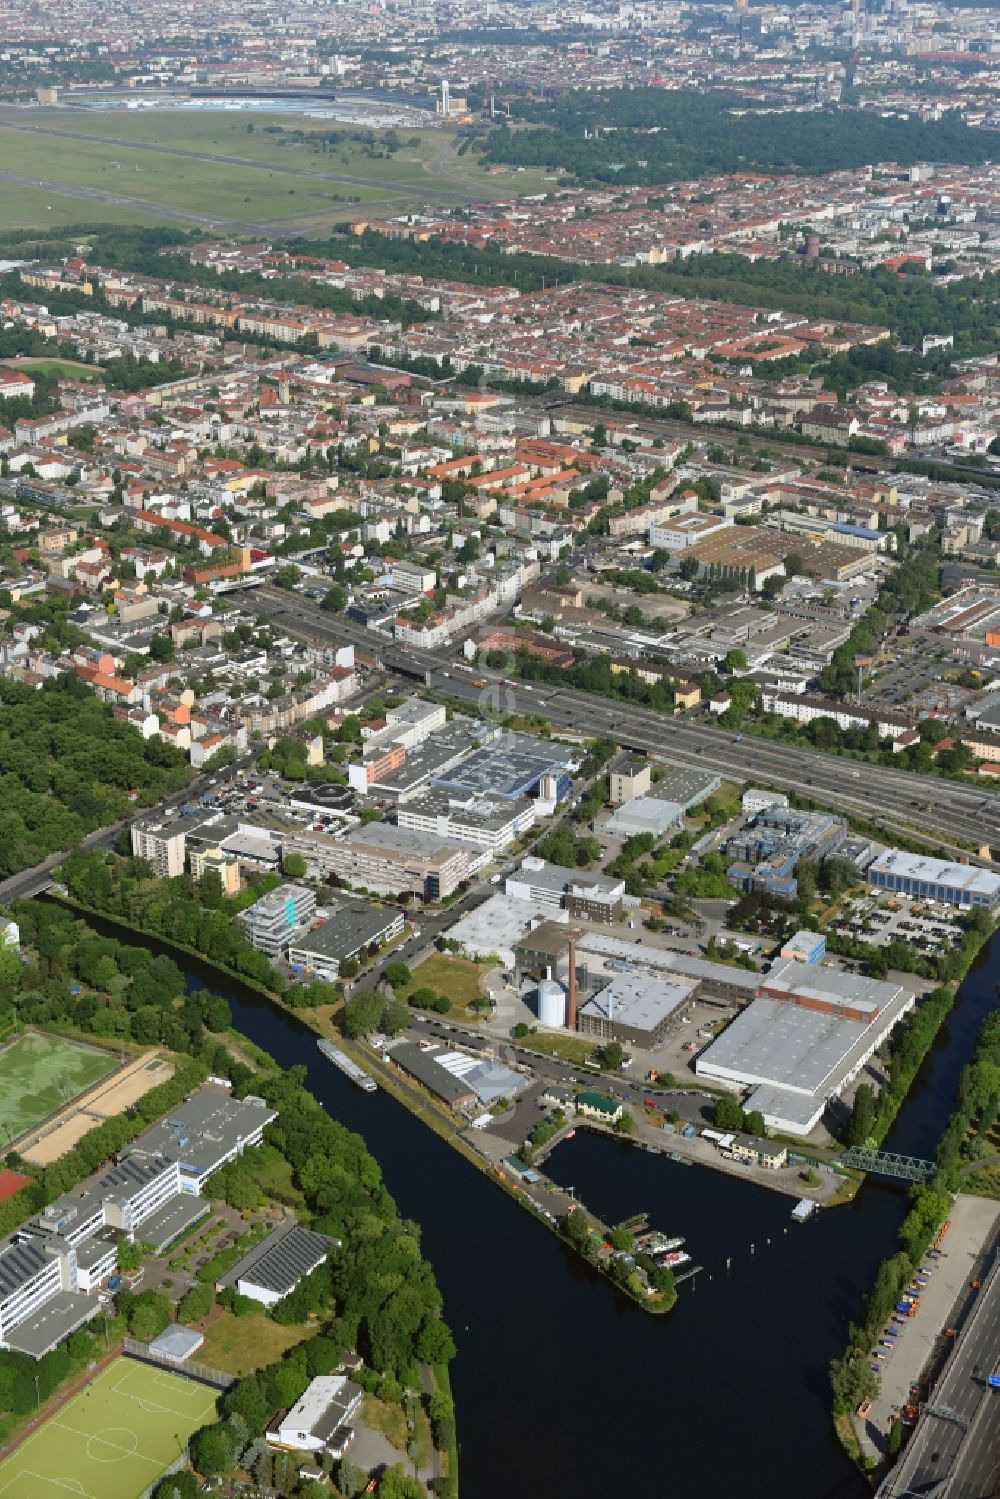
[924, 878]
[807, 1035]
[635, 1009]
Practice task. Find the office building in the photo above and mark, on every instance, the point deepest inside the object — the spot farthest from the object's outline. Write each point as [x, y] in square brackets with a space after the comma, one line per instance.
[388, 860]
[486, 822]
[594, 897]
[206, 1131]
[319, 1419]
[271, 922]
[631, 779]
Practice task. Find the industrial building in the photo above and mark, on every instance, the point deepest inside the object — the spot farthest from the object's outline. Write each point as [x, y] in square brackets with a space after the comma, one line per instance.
[644, 814]
[348, 930]
[543, 951]
[675, 794]
[805, 1037]
[924, 878]
[460, 1080]
[594, 897]
[635, 1009]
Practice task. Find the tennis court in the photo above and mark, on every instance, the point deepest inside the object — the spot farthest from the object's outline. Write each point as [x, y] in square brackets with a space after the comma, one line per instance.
[113, 1440]
[38, 1074]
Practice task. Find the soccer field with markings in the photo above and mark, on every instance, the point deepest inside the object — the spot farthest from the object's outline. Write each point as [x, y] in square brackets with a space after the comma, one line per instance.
[38, 1074]
[113, 1440]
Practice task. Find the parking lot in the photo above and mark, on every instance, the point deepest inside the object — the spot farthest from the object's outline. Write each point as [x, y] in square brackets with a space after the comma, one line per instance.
[879, 919]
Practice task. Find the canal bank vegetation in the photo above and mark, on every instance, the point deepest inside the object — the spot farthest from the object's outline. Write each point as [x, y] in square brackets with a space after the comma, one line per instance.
[964, 1139]
[93, 878]
[851, 1376]
[971, 1136]
[619, 1262]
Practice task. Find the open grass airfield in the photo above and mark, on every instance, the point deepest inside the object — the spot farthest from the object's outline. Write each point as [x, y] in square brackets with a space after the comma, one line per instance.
[210, 169]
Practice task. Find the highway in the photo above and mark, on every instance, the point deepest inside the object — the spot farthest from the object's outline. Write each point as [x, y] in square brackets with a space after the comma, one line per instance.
[954, 1452]
[942, 810]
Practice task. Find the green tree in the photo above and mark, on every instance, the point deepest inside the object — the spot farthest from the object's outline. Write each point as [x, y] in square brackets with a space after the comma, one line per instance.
[363, 1012]
[294, 866]
[862, 1120]
[727, 1114]
[196, 1304]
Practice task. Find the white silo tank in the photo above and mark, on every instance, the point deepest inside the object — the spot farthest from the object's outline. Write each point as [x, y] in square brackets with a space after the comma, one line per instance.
[551, 1004]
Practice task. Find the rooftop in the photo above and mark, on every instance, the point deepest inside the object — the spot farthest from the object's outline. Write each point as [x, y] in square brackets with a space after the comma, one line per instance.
[966, 877]
[207, 1126]
[280, 1260]
[637, 1000]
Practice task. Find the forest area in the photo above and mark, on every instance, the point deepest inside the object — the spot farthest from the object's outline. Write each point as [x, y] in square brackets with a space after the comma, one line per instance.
[655, 135]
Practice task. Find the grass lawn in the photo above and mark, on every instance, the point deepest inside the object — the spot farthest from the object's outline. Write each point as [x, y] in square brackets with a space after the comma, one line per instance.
[240, 1344]
[985, 1182]
[39, 1073]
[114, 1439]
[570, 1048]
[388, 1419]
[151, 163]
[74, 369]
[456, 978]
[46, 208]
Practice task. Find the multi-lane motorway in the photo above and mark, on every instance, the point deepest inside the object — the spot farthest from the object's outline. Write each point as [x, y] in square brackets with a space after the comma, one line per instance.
[954, 1452]
[954, 814]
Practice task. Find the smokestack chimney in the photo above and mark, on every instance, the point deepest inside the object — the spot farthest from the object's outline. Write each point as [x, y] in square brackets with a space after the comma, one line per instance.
[571, 989]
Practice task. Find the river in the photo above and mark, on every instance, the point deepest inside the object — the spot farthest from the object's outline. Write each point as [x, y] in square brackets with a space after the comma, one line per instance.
[563, 1386]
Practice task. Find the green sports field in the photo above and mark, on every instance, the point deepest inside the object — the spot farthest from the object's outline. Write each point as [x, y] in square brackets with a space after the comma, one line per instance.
[113, 1440]
[38, 1074]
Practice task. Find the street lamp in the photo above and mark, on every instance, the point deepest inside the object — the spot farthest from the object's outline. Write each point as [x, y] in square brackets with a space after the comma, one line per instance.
[38, 1397]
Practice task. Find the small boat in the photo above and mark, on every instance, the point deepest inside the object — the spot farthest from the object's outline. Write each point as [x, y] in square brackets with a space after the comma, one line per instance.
[348, 1067]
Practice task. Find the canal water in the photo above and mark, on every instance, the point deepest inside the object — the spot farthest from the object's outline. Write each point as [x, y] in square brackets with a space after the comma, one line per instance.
[563, 1386]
